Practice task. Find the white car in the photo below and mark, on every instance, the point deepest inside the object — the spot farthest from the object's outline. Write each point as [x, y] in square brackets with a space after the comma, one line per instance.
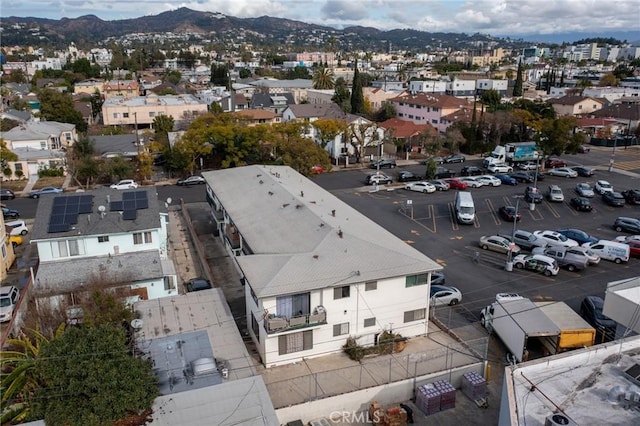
[500, 168]
[626, 238]
[563, 172]
[125, 184]
[8, 300]
[556, 239]
[445, 295]
[489, 180]
[18, 227]
[592, 258]
[471, 181]
[603, 186]
[529, 165]
[424, 187]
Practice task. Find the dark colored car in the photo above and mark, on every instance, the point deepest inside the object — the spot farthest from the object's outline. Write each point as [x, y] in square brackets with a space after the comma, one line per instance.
[533, 195]
[627, 224]
[509, 213]
[377, 178]
[197, 284]
[506, 179]
[192, 180]
[578, 235]
[436, 159]
[456, 184]
[7, 194]
[388, 163]
[454, 158]
[405, 176]
[584, 149]
[584, 171]
[631, 196]
[551, 163]
[471, 171]
[581, 204]
[442, 172]
[591, 310]
[614, 199]
[522, 176]
[537, 176]
[10, 213]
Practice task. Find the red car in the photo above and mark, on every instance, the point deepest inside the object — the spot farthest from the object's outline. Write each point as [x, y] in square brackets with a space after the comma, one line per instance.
[634, 247]
[552, 163]
[456, 184]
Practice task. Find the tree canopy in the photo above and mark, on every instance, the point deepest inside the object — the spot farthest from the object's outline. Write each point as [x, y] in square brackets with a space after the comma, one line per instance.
[56, 106]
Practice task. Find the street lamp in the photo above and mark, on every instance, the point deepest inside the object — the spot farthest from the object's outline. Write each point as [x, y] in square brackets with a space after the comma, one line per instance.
[509, 266]
[532, 205]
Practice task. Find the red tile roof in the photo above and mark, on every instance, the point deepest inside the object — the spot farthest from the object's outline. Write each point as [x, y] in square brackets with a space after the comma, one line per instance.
[432, 99]
[403, 129]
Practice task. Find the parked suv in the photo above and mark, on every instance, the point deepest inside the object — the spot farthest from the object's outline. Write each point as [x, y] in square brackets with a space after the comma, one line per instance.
[554, 193]
[471, 171]
[8, 300]
[591, 311]
[538, 263]
[382, 163]
[567, 259]
[526, 240]
[377, 179]
[626, 224]
[532, 195]
[632, 196]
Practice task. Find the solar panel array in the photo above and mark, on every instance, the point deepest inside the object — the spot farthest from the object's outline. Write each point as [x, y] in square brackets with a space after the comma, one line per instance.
[132, 201]
[65, 211]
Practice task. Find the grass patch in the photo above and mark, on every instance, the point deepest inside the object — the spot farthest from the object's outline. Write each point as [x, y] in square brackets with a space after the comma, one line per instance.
[49, 181]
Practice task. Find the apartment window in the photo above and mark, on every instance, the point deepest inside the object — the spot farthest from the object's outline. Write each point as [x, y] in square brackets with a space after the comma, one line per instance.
[418, 314]
[43, 145]
[371, 285]
[4, 252]
[168, 283]
[142, 238]
[152, 114]
[103, 238]
[125, 115]
[340, 329]
[436, 109]
[341, 292]
[116, 115]
[434, 121]
[255, 327]
[370, 322]
[411, 116]
[295, 342]
[414, 280]
[76, 248]
[18, 166]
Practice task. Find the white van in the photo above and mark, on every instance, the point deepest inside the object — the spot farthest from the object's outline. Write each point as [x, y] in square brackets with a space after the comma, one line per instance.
[464, 208]
[610, 250]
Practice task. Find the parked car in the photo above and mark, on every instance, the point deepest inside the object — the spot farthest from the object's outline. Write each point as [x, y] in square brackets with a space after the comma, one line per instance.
[584, 190]
[526, 240]
[563, 172]
[581, 204]
[610, 250]
[440, 185]
[631, 196]
[471, 171]
[552, 163]
[634, 247]
[592, 258]
[443, 172]
[9, 296]
[406, 176]
[529, 165]
[454, 158]
[192, 180]
[509, 213]
[570, 260]
[498, 244]
[437, 278]
[603, 186]
[583, 149]
[554, 194]
[424, 187]
[15, 240]
[578, 235]
[456, 183]
[614, 199]
[626, 238]
[7, 194]
[489, 180]
[437, 159]
[536, 175]
[584, 171]
[532, 195]
[627, 224]
[8, 213]
[500, 168]
[47, 190]
[506, 179]
[591, 310]
[383, 163]
[555, 238]
[18, 227]
[125, 184]
[445, 295]
[197, 284]
[522, 176]
[471, 181]
[377, 179]
[537, 263]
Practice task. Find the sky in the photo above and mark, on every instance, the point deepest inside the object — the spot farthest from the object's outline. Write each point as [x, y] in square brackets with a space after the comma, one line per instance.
[495, 17]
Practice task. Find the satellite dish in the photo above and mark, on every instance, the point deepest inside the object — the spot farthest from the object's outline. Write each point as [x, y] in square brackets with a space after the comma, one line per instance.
[102, 209]
[137, 324]
[169, 200]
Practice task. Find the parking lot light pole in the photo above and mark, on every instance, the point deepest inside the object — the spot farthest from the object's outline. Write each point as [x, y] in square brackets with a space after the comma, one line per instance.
[532, 205]
[613, 154]
[509, 266]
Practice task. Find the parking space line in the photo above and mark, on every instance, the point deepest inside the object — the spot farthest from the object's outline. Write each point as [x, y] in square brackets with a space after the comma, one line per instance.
[535, 214]
[452, 217]
[571, 209]
[552, 209]
[492, 210]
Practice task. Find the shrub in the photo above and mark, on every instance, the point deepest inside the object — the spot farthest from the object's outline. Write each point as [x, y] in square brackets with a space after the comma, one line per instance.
[7, 171]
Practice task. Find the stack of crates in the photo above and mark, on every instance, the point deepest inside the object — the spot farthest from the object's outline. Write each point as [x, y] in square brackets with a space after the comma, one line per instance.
[474, 385]
[428, 399]
[447, 394]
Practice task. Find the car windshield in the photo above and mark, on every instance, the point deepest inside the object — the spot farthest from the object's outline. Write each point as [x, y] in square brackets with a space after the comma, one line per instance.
[4, 302]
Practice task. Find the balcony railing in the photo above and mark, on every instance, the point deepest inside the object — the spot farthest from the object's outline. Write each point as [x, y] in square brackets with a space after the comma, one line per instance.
[275, 324]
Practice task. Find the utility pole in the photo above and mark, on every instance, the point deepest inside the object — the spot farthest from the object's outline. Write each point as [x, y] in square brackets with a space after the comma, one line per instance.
[135, 118]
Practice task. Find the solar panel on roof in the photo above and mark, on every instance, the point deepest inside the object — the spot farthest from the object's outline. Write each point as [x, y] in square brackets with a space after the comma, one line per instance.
[59, 201]
[128, 195]
[57, 210]
[141, 195]
[129, 204]
[71, 219]
[129, 214]
[116, 206]
[142, 204]
[73, 208]
[73, 200]
[86, 199]
[55, 219]
[85, 208]
[63, 227]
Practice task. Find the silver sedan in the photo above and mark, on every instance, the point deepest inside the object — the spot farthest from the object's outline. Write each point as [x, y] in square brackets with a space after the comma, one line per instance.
[563, 172]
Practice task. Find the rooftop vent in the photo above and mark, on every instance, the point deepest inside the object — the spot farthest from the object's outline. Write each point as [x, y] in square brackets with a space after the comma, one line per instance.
[559, 419]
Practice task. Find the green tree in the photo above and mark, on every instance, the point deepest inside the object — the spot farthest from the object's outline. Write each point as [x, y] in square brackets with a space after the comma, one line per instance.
[490, 98]
[357, 97]
[56, 106]
[245, 73]
[173, 76]
[6, 155]
[328, 129]
[220, 75]
[323, 79]
[608, 80]
[432, 169]
[385, 112]
[517, 87]
[293, 150]
[95, 372]
[342, 95]
[116, 168]
[162, 125]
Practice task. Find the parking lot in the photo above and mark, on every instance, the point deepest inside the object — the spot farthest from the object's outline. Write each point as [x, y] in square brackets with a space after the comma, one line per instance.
[427, 222]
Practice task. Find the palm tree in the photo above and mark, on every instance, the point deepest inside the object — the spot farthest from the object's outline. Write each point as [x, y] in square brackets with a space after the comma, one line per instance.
[323, 79]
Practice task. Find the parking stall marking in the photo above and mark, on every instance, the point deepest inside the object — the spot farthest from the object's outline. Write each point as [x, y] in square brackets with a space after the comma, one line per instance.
[492, 210]
[552, 209]
[452, 217]
[535, 214]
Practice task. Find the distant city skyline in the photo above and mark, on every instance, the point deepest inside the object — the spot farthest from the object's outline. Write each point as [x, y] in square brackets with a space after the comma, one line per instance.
[515, 18]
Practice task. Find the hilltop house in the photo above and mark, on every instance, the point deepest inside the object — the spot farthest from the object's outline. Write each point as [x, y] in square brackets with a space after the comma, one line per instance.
[315, 271]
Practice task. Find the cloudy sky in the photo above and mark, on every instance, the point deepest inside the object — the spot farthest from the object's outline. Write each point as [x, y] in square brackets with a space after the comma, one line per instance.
[496, 17]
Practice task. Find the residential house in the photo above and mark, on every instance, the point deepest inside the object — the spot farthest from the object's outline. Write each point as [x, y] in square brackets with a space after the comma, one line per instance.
[7, 254]
[325, 96]
[298, 87]
[89, 87]
[576, 105]
[142, 110]
[120, 88]
[103, 237]
[412, 136]
[461, 88]
[253, 117]
[315, 271]
[377, 97]
[427, 108]
[627, 116]
[485, 84]
[428, 86]
[274, 103]
[127, 145]
[38, 145]
[240, 103]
